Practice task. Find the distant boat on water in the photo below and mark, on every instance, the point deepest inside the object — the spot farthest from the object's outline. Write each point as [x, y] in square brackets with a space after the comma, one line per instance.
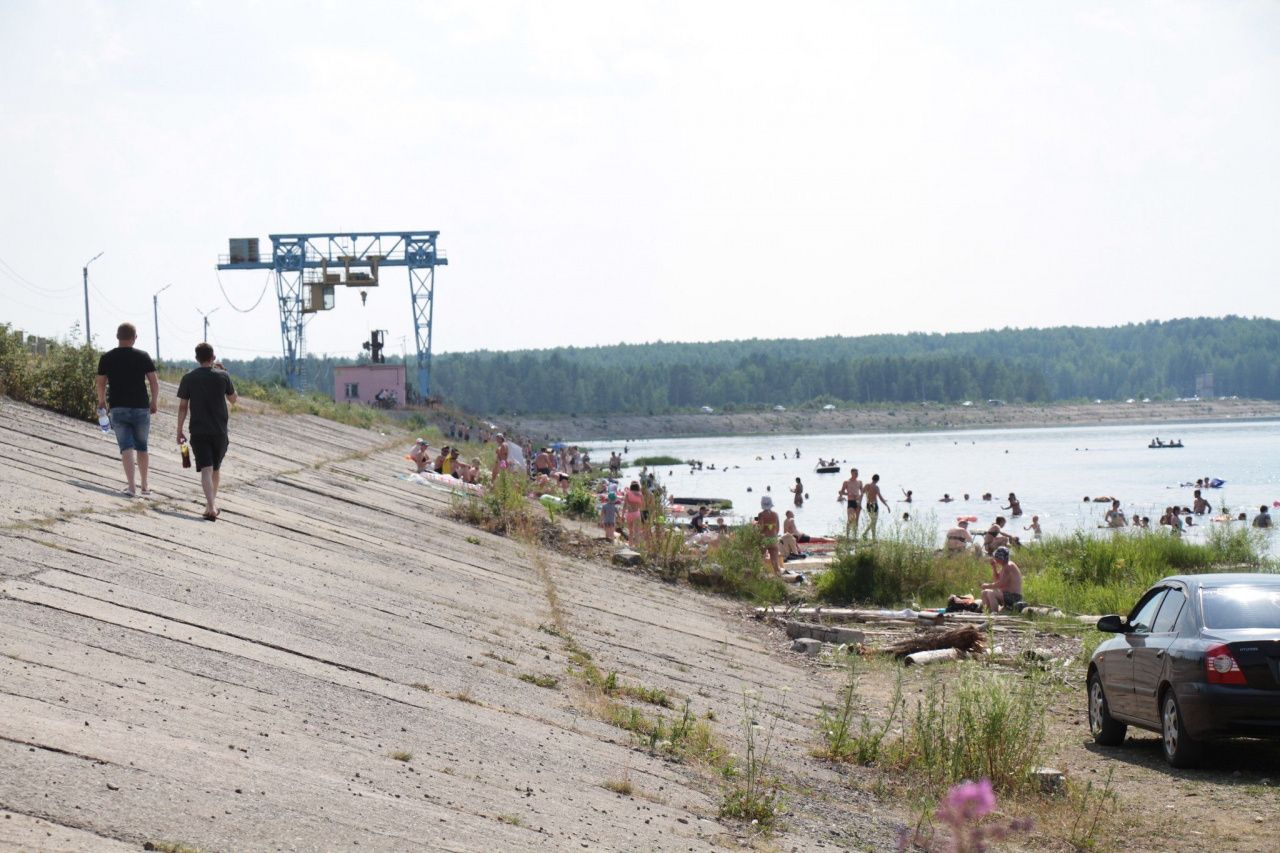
[1157, 444]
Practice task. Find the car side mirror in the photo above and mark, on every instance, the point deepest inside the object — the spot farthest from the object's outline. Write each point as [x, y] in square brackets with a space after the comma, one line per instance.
[1112, 625]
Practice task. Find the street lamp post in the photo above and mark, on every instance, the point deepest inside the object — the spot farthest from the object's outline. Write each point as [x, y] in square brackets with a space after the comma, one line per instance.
[206, 321]
[88, 337]
[155, 315]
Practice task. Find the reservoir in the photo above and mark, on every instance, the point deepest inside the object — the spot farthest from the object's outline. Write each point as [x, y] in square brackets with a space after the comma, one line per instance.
[1051, 471]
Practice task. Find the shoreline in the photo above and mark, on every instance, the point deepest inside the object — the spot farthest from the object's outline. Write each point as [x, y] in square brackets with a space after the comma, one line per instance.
[888, 419]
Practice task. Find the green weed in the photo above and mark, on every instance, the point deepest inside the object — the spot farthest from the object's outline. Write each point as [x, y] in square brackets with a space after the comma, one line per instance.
[984, 728]
[550, 682]
[754, 793]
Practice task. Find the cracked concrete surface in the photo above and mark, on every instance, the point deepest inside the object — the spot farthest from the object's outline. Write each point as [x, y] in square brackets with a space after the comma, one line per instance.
[243, 684]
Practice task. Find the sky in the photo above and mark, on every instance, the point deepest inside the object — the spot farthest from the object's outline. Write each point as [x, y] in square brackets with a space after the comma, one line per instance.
[607, 172]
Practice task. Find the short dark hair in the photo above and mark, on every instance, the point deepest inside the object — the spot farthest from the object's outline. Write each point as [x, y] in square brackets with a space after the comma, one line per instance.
[126, 332]
[204, 352]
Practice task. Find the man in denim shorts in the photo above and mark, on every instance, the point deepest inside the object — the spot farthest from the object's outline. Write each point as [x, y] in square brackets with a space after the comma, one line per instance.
[204, 393]
[123, 376]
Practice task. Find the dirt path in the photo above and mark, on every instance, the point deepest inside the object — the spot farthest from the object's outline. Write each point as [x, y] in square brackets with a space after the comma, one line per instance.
[1231, 803]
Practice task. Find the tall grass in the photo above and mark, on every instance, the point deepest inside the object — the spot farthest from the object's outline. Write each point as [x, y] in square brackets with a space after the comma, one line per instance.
[979, 726]
[902, 566]
[1107, 573]
[1079, 573]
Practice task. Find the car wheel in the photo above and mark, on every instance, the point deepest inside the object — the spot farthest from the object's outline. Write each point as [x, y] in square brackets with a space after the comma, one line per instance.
[1180, 749]
[1106, 730]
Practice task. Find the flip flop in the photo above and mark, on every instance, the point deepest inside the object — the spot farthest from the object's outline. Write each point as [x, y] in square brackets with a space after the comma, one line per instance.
[126, 493]
[146, 493]
[213, 517]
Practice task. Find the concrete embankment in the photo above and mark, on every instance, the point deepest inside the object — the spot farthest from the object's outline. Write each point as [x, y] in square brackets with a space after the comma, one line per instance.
[256, 683]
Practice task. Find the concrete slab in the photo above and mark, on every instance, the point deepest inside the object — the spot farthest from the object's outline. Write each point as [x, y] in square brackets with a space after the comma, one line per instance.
[253, 683]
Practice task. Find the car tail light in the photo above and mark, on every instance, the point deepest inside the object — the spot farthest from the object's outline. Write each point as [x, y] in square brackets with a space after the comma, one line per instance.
[1221, 668]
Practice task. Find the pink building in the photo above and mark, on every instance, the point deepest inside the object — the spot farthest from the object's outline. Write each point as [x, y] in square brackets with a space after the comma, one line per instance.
[363, 383]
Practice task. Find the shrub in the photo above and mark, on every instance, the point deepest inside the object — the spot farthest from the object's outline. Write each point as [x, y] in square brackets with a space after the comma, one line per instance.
[62, 379]
[742, 569]
[985, 728]
[581, 502]
[502, 509]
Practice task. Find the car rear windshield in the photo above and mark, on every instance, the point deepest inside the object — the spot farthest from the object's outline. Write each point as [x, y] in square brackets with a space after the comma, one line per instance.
[1231, 607]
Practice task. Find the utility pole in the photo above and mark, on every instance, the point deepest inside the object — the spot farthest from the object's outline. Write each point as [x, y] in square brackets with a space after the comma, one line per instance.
[155, 315]
[88, 337]
[206, 321]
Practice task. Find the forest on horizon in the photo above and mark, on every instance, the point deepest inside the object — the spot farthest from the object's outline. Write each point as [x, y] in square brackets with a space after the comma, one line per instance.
[1155, 359]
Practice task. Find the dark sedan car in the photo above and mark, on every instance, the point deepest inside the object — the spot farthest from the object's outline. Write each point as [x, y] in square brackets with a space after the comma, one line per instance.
[1197, 658]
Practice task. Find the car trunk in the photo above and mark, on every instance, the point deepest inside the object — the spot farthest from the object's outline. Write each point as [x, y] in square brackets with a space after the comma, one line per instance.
[1259, 659]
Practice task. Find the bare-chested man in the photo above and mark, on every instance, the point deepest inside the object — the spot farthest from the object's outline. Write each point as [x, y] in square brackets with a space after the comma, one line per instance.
[503, 454]
[875, 499]
[851, 493]
[1005, 589]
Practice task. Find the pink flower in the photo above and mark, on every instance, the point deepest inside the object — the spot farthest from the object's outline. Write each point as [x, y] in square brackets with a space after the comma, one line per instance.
[967, 802]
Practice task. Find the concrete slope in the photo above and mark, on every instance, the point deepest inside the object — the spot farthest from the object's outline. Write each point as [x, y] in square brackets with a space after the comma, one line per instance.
[244, 684]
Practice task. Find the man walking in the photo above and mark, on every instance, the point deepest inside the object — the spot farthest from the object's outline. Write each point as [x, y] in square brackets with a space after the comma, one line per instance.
[205, 392]
[123, 376]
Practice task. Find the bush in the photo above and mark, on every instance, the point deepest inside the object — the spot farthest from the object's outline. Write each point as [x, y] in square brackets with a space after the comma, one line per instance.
[502, 510]
[581, 502]
[62, 379]
[900, 567]
[986, 728]
[742, 569]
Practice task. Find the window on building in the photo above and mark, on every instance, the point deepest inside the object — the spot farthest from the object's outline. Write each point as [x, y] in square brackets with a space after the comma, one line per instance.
[352, 390]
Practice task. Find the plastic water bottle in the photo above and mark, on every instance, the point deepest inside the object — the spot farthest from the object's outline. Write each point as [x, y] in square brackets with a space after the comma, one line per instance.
[104, 421]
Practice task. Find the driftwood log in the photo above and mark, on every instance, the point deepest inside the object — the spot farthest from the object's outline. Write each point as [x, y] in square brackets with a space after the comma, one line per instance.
[965, 638]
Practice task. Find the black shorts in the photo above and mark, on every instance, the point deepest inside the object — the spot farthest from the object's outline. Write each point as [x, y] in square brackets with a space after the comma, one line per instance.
[208, 451]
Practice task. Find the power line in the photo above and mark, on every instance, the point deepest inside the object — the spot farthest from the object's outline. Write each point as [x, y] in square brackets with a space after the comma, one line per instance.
[265, 284]
[21, 279]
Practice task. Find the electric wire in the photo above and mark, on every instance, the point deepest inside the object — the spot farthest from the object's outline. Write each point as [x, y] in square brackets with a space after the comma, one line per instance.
[12, 273]
[265, 285]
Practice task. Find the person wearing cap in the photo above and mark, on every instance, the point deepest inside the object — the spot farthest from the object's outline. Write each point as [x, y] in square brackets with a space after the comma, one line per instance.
[1005, 590]
[420, 454]
[768, 524]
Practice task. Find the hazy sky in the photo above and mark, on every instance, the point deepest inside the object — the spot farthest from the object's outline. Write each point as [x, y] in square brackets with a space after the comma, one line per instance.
[605, 172]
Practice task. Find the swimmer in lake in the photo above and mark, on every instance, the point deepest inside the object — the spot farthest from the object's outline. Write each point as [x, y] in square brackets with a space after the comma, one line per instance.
[1015, 508]
[1034, 527]
[945, 499]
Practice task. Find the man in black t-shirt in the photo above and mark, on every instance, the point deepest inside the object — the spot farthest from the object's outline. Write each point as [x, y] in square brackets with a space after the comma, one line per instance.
[121, 383]
[205, 392]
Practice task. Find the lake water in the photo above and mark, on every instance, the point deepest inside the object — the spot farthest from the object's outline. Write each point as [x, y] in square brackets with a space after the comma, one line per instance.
[1051, 470]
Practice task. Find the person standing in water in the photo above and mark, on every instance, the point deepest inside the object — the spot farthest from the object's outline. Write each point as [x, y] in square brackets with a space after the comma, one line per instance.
[851, 493]
[798, 491]
[875, 499]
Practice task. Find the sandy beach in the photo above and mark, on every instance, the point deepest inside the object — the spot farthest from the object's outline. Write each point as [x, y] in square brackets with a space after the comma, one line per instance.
[906, 417]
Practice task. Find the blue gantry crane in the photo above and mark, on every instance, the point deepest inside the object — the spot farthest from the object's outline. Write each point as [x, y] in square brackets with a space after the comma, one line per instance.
[308, 267]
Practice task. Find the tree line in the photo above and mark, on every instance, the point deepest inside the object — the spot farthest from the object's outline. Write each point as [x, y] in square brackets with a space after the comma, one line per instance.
[1155, 359]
